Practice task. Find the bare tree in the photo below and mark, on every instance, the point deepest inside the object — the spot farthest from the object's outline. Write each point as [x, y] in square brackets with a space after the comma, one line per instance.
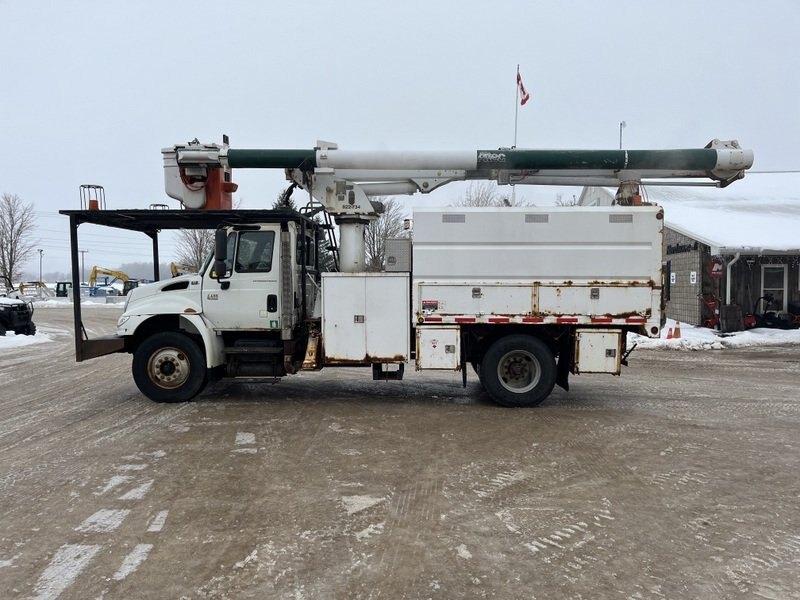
[480, 194]
[17, 222]
[388, 225]
[193, 245]
[568, 202]
[486, 193]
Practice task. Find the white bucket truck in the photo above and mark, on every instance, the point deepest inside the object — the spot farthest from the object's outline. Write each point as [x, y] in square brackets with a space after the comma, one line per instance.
[525, 296]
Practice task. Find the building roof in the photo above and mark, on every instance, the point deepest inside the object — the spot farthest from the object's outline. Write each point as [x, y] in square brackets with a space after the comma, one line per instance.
[757, 215]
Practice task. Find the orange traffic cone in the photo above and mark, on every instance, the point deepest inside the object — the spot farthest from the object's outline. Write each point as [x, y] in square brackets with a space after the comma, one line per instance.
[677, 330]
[669, 333]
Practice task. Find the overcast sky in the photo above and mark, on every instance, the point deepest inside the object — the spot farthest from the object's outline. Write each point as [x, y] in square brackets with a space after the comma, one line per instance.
[92, 90]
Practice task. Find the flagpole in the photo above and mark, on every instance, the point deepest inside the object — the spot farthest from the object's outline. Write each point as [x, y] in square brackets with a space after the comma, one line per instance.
[516, 118]
[516, 107]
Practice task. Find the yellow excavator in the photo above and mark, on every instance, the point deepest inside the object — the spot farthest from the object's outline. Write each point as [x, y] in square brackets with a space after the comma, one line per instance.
[178, 269]
[127, 283]
[35, 288]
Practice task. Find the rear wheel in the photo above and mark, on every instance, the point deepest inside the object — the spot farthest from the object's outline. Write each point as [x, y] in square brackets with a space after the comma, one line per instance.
[169, 367]
[518, 371]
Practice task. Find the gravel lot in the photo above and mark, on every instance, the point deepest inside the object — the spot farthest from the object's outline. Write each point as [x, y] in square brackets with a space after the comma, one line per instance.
[677, 480]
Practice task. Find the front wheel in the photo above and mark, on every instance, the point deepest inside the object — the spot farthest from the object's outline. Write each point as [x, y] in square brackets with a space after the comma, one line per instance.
[169, 367]
[29, 329]
[518, 371]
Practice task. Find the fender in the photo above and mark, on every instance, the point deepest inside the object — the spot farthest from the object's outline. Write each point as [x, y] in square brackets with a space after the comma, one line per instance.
[192, 323]
[213, 344]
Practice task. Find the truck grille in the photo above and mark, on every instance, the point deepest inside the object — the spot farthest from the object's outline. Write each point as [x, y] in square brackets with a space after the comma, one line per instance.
[22, 309]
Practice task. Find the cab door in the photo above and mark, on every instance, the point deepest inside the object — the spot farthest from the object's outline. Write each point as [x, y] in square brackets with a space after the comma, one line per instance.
[249, 299]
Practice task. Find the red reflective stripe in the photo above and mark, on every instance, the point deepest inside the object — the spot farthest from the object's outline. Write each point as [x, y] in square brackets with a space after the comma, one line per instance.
[636, 320]
[433, 319]
[465, 319]
[601, 319]
[499, 319]
[567, 320]
[533, 319]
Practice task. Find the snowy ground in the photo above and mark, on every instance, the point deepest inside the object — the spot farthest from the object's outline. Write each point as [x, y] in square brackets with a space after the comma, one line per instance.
[701, 338]
[46, 334]
[676, 480]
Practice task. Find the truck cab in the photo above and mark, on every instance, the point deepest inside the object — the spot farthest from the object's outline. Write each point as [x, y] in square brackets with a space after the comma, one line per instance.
[247, 313]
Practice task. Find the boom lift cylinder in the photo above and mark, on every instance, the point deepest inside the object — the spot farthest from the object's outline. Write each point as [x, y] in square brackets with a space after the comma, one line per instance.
[352, 252]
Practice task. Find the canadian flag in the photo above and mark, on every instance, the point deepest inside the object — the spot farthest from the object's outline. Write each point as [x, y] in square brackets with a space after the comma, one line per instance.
[524, 96]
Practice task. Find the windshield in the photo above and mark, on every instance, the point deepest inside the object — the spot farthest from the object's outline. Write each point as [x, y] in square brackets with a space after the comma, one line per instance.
[206, 262]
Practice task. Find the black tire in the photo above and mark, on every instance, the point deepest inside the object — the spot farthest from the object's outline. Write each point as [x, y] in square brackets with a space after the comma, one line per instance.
[518, 371]
[169, 367]
[29, 329]
[2, 330]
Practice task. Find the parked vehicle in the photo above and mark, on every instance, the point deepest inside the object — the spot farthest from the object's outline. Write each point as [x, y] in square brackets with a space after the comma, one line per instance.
[63, 289]
[766, 313]
[178, 269]
[525, 295]
[16, 315]
[107, 288]
[35, 289]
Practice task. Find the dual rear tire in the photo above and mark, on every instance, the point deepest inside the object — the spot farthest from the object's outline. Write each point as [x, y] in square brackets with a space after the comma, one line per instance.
[518, 371]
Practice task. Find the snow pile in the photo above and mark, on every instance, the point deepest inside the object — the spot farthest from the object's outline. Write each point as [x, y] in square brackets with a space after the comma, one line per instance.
[701, 338]
[91, 301]
[11, 340]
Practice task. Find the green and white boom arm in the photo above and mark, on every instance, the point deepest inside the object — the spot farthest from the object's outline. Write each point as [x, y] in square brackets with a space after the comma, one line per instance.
[344, 180]
[331, 174]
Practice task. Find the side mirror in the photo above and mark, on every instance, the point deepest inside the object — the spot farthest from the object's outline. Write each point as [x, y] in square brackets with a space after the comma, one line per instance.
[220, 254]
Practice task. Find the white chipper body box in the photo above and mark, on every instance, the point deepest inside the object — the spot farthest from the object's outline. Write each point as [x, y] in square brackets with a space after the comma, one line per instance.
[529, 265]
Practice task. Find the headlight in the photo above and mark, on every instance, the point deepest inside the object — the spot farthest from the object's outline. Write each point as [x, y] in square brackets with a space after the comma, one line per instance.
[122, 320]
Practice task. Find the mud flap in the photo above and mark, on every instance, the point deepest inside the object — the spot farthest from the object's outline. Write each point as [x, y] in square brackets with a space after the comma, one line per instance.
[563, 367]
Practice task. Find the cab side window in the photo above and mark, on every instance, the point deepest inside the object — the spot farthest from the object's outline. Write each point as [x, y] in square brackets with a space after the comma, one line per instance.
[254, 251]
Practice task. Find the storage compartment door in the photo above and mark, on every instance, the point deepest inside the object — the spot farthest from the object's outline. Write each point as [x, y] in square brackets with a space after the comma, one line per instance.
[438, 348]
[387, 319]
[344, 330]
[598, 351]
[365, 318]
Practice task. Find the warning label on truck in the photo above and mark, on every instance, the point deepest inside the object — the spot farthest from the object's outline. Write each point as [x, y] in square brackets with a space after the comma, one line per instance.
[430, 305]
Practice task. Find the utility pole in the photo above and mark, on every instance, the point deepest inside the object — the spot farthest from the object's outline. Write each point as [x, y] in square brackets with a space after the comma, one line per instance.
[622, 125]
[83, 277]
[41, 252]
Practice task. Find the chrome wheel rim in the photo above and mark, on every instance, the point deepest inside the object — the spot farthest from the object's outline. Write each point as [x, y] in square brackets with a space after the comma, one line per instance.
[169, 368]
[518, 371]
